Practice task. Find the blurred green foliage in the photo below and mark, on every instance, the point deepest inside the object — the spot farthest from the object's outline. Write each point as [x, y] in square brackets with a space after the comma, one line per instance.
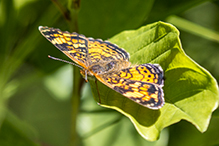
[31, 110]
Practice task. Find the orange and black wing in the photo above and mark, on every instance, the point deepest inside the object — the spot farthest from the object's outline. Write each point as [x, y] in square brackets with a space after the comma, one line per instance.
[74, 45]
[99, 50]
[142, 84]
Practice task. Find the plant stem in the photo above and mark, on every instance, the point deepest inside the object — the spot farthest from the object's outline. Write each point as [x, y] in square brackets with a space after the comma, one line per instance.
[62, 9]
[73, 6]
[77, 84]
[71, 16]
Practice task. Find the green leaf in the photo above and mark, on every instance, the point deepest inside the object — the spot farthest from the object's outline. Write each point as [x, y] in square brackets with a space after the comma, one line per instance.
[190, 92]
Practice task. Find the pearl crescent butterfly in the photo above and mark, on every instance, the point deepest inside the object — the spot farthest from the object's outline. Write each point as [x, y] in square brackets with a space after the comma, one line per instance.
[110, 65]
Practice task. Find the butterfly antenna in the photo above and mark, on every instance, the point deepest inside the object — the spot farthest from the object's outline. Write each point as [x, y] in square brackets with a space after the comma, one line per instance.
[54, 58]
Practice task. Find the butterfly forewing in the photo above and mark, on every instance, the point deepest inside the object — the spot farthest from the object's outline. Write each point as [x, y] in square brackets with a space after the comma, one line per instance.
[74, 45]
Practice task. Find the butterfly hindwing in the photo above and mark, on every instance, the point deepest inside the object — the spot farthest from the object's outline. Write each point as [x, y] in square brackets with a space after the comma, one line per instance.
[141, 83]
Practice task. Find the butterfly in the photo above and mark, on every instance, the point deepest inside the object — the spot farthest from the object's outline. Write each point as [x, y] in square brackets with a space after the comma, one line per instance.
[110, 65]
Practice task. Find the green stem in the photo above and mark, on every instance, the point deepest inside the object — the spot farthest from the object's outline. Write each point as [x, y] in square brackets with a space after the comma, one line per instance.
[62, 9]
[77, 84]
[73, 6]
[71, 15]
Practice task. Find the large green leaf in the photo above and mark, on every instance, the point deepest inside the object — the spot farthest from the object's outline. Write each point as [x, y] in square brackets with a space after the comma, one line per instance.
[190, 92]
